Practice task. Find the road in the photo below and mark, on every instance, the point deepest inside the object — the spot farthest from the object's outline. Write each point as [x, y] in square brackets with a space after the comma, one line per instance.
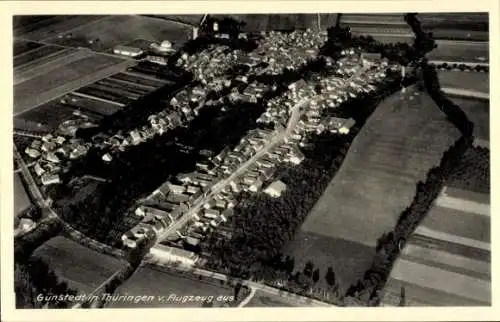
[253, 285]
[294, 118]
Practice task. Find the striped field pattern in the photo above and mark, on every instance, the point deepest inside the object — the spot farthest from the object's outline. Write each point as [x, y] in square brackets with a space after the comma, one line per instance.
[447, 260]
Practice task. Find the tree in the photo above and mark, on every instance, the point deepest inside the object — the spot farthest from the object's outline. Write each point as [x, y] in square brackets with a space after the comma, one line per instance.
[402, 299]
[308, 268]
[330, 277]
[315, 275]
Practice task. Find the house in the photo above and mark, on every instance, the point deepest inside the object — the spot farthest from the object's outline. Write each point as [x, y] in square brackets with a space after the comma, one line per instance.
[193, 190]
[128, 51]
[39, 170]
[157, 60]
[267, 173]
[275, 189]
[185, 177]
[176, 189]
[255, 187]
[48, 146]
[193, 241]
[157, 225]
[32, 152]
[48, 179]
[296, 156]
[173, 254]
[341, 125]
[235, 187]
[107, 157]
[221, 204]
[211, 213]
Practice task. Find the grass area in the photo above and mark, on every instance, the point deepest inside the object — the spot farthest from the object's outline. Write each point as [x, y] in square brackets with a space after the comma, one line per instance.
[458, 223]
[459, 51]
[467, 80]
[82, 268]
[99, 107]
[478, 112]
[21, 198]
[151, 280]
[53, 27]
[263, 299]
[120, 30]
[395, 149]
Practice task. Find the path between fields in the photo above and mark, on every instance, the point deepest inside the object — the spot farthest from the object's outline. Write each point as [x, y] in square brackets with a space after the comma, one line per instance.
[461, 204]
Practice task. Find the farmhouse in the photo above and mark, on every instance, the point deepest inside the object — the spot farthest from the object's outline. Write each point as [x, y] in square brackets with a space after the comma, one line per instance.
[48, 179]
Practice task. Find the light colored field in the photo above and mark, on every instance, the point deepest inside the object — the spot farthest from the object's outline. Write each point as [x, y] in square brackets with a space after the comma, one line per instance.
[82, 268]
[398, 145]
[469, 80]
[45, 66]
[120, 29]
[67, 78]
[459, 51]
[401, 141]
[21, 199]
[151, 281]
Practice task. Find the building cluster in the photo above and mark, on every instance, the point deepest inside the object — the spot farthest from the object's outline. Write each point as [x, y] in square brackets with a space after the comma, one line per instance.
[289, 50]
[50, 153]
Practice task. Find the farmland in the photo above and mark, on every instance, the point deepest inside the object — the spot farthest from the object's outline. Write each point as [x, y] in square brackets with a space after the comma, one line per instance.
[63, 79]
[468, 80]
[459, 51]
[21, 199]
[152, 280]
[52, 26]
[24, 46]
[35, 54]
[52, 114]
[401, 141]
[447, 260]
[82, 268]
[119, 29]
[479, 114]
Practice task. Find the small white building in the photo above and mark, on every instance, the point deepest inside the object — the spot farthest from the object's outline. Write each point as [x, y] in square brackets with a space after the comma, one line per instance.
[32, 152]
[166, 46]
[275, 189]
[128, 51]
[107, 157]
[48, 179]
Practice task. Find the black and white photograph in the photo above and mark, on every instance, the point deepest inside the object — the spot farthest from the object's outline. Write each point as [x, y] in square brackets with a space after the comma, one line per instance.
[251, 160]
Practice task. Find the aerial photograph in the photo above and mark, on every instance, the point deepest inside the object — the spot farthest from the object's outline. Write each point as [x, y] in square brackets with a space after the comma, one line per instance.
[251, 160]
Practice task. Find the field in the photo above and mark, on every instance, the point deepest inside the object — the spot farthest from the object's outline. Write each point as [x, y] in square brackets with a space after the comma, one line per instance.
[52, 114]
[47, 64]
[64, 79]
[23, 46]
[459, 51]
[447, 261]
[82, 268]
[479, 113]
[400, 142]
[468, 80]
[35, 54]
[149, 280]
[92, 105]
[119, 29]
[21, 199]
[51, 27]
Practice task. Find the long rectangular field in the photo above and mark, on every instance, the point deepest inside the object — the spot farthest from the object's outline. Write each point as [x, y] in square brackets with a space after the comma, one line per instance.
[460, 51]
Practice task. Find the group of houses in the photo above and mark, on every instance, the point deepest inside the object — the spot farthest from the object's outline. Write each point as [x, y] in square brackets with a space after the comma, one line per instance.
[49, 153]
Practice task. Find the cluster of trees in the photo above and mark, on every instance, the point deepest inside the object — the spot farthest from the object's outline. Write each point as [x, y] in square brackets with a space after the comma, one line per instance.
[463, 67]
[34, 278]
[454, 113]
